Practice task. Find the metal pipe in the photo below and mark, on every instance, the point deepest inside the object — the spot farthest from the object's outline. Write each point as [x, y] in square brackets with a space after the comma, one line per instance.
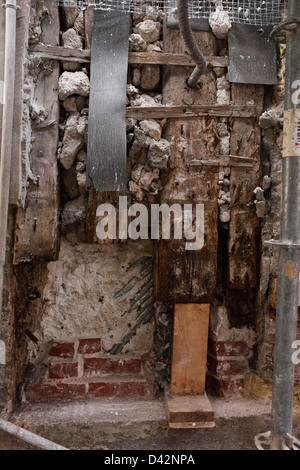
[288, 269]
[6, 143]
[29, 437]
[190, 43]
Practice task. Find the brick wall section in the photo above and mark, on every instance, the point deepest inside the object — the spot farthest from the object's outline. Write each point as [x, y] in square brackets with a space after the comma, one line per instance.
[62, 350]
[79, 369]
[227, 364]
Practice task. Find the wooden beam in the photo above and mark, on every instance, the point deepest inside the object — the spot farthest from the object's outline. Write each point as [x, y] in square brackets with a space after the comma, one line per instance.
[60, 53]
[106, 165]
[37, 226]
[244, 227]
[187, 111]
[190, 338]
[189, 411]
[165, 58]
[134, 58]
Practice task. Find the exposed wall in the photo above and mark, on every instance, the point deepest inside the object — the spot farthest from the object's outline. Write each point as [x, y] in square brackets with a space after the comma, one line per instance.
[81, 289]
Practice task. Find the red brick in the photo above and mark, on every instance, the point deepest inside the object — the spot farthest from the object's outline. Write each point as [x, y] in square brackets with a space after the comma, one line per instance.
[224, 388]
[63, 369]
[89, 346]
[225, 368]
[229, 348]
[131, 388]
[63, 350]
[51, 391]
[103, 389]
[107, 365]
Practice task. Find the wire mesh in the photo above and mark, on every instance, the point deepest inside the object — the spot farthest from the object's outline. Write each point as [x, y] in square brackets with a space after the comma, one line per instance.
[257, 12]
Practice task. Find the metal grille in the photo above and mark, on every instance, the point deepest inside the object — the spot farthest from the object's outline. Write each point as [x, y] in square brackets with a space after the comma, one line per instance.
[257, 12]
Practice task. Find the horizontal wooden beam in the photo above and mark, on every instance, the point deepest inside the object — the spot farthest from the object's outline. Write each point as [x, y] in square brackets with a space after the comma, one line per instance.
[225, 160]
[164, 58]
[138, 58]
[184, 111]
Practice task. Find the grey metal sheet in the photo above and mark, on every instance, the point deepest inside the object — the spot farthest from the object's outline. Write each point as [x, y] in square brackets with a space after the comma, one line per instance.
[106, 152]
[252, 55]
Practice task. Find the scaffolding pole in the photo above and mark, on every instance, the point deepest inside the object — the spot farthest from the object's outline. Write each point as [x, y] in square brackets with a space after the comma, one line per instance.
[288, 269]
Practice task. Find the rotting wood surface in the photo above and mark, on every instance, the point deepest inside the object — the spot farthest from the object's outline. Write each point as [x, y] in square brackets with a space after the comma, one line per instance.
[189, 276]
[37, 226]
[106, 151]
[244, 228]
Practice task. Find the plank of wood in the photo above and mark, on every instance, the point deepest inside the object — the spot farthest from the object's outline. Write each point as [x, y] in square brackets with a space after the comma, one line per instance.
[37, 234]
[253, 57]
[184, 276]
[106, 151]
[95, 199]
[244, 228]
[88, 25]
[48, 55]
[60, 52]
[2, 54]
[165, 58]
[184, 111]
[175, 90]
[17, 178]
[188, 411]
[189, 355]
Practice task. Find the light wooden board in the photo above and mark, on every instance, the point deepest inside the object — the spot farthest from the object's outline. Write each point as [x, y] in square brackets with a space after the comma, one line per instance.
[184, 111]
[153, 58]
[189, 355]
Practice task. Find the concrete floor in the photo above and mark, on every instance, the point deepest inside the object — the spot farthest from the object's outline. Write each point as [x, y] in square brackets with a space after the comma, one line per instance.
[8, 442]
[142, 425]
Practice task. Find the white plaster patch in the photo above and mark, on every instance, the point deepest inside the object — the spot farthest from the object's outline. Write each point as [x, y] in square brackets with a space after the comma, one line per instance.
[101, 291]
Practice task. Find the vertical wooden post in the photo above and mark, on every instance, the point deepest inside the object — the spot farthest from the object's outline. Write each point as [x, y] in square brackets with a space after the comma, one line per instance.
[186, 403]
[37, 225]
[190, 339]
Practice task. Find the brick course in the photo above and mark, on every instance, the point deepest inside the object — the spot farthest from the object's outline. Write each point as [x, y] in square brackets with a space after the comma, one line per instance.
[106, 365]
[77, 369]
